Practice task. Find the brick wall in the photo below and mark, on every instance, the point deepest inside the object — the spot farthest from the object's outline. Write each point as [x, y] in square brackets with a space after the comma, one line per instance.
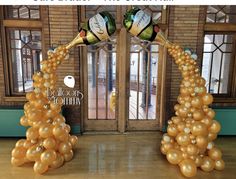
[186, 25]
[63, 27]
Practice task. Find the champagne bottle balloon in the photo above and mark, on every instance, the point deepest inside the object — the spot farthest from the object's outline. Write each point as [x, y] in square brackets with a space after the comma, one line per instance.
[97, 28]
[140, 24]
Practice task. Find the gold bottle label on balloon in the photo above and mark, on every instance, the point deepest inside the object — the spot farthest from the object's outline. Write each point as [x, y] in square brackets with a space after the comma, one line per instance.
[97, 25]
[141, 20]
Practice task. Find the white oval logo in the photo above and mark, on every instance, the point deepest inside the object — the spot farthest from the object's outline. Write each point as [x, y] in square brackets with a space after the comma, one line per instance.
[69, 81]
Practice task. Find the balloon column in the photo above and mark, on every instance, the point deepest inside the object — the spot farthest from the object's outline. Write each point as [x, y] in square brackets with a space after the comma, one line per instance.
[48, 141]
[190, 133]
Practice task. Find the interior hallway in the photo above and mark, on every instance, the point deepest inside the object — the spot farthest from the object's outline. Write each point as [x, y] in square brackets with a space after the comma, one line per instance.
[128, 156]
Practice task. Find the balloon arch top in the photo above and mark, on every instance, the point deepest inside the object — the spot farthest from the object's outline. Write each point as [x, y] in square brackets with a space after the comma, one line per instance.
[190, 133]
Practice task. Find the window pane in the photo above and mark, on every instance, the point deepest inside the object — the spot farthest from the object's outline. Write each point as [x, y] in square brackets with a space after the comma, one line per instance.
[221, 14]
[25, 58]
[216, 62]
[22, 12]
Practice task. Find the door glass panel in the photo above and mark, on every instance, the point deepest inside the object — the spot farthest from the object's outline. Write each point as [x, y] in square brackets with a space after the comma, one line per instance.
[143, 80]
[101, 80]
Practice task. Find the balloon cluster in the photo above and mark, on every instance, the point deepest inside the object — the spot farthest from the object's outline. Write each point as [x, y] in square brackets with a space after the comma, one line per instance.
[190, 134]
[48, 143]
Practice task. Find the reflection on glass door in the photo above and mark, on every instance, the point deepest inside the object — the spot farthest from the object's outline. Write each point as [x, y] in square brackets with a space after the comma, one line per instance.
[101, 82]
[143, 100]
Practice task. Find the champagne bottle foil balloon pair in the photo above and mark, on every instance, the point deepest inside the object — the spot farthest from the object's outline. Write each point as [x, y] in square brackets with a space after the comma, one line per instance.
[188, 142]
[48, 144]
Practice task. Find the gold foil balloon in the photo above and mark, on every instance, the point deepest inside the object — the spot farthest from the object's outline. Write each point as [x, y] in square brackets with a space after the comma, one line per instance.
[188, 168]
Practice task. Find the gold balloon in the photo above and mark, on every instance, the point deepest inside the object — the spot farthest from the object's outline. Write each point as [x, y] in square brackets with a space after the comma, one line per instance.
[163, 150]
[215, 127]
[24, 121]
[58, 162]
[68, 156]
[65, 147]
[59, 119]
[207, 164]
[212, 136]
[192, 149]
[219, 164]
[207, 99]
[18, 152]
[49, 143]
[27, 144]
[174, 156]
[201, 142]
[207, 121]
[17, 161]
[196, 102]
[199, 128]
[210, 113]
[168, 146]
[73, 140]
[58, 130]
[48, 156]
[198, 161]
[34, 153]
[188, 168]
[45, 131]
[20, 143]
[215, 153]
[198, 115]
[40, 167]
[32, 133]
[172, 130]
[183, 139]
[181, 126]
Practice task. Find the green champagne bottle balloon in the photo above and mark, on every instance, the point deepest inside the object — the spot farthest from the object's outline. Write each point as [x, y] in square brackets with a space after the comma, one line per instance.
[96, 29]
[140, 24]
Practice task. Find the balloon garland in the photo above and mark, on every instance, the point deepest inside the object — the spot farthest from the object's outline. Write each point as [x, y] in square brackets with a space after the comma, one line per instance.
[48, 141]
[188, 142]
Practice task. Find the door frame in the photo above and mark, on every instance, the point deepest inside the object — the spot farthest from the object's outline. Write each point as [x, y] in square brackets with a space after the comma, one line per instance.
[120, 124]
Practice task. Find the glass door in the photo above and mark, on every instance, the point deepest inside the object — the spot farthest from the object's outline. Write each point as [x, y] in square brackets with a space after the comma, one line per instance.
[127, 67]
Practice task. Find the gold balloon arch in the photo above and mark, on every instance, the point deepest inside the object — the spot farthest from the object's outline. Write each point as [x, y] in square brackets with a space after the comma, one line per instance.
[190, 133]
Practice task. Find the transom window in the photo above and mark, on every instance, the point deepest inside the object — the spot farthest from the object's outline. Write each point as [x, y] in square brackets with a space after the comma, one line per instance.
[221, 14]
[22, 12]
